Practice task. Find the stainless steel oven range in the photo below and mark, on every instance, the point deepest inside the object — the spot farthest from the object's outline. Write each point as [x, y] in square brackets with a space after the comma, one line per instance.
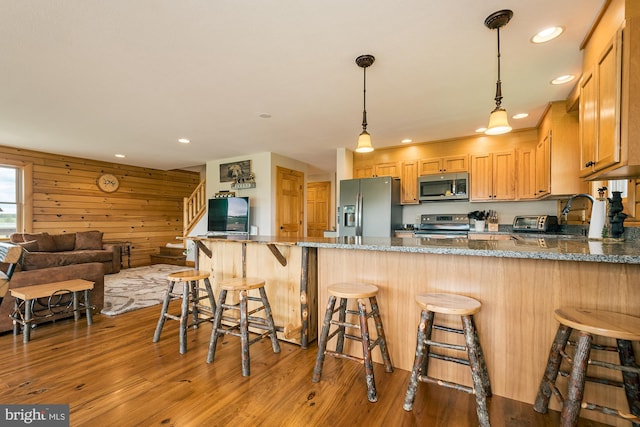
[443, 226]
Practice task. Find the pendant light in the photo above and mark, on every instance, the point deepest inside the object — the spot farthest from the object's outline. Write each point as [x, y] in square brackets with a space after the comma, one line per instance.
[498, 121]
[364, 140]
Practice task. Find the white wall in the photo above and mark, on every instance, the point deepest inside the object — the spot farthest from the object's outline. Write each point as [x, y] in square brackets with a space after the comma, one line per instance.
[262, 197]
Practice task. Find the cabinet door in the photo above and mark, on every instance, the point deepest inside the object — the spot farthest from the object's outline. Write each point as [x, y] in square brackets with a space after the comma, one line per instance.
[504, 176]
[481, 177]
[387, 169]
[409, 183]
[363, 172]
[453, 164]
[543, 166]
[588, 124]
[527, 174]
[608, 138]
[430, 166]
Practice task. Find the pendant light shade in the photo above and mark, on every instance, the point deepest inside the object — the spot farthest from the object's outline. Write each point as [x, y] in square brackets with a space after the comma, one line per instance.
[498, 120]
[364, 140]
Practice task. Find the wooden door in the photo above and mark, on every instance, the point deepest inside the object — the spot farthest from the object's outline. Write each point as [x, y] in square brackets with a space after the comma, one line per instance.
[526, 174]
[289, 203]
[481, 177]
[318, 208]
[504, 176]
[454, 164]
[588, 124]
[430, 166]
[409, 183]
[543, 166]
[387, 169]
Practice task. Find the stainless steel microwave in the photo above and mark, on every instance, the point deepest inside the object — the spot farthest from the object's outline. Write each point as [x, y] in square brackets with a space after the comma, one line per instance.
[444, 187]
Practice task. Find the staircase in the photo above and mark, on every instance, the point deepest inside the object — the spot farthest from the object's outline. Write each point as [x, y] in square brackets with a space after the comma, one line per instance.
[173, 256]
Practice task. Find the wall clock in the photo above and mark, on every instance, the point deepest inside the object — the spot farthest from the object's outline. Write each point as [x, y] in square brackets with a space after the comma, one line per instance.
[108, 183]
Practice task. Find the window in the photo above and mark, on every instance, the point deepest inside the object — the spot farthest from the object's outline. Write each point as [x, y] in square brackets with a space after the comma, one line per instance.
[10, 204]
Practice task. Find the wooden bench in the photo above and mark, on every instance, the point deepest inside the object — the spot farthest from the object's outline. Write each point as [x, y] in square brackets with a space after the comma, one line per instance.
[26, 295]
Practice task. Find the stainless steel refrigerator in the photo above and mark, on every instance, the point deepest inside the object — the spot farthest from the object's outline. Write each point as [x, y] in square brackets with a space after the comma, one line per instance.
[369, 207]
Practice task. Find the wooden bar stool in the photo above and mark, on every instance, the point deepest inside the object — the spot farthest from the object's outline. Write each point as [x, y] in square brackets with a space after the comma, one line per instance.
[347, 291]
[191, 295]
[241, 328]
[465, 307]
[624, 329]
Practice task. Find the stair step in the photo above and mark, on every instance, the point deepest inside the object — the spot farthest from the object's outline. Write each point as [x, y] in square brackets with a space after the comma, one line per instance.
[168, 259]
[171, 251]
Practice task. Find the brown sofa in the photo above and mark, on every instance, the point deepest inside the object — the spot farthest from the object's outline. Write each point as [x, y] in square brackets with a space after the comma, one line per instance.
[44, 250]
[93, 271]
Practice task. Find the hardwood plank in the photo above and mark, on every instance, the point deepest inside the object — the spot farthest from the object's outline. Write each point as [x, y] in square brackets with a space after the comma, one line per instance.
[112, 374]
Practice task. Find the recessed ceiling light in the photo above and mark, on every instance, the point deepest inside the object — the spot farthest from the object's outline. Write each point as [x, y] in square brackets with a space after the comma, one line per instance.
[563, 79]
[406, 141]
[481, 130]
[264, 115]
[520, 116]
[547, 34]
[184, 140]
[121, 156]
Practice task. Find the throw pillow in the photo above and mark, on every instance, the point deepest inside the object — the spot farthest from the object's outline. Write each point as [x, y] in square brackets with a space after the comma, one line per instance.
[89, 240]
[30, 246]
[45, 241]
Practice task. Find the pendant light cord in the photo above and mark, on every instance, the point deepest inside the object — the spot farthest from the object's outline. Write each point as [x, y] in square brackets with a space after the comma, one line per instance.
[498, 97]
[364, 101]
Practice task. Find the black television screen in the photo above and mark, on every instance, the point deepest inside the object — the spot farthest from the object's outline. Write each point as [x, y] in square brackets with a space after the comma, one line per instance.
[228, 215]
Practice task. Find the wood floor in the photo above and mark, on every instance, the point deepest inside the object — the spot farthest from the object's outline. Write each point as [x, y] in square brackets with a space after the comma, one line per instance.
[111, 374]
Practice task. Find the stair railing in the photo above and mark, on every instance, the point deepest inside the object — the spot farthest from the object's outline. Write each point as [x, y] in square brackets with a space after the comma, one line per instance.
[194, 208]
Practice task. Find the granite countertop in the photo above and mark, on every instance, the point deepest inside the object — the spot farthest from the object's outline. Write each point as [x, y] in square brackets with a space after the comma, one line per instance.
[530, 246]
[562, 248]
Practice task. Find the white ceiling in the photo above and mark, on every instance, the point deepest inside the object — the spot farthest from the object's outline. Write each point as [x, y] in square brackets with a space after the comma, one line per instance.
[92, 78]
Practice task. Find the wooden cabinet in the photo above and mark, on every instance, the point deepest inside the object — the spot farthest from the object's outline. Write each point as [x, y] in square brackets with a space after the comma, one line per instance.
[600, 109]
[450, 164]
[543, 166]
[527, 174]
[387, 169]
[409, 183]
[493, 176]
[365, 171]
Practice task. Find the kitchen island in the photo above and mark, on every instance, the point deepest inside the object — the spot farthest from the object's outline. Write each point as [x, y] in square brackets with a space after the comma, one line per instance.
[519, 282]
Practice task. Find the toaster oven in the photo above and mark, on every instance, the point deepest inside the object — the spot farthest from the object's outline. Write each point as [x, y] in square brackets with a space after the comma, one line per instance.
[537, 223]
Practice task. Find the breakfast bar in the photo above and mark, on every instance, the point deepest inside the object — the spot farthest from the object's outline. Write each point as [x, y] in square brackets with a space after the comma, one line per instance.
[520, 282]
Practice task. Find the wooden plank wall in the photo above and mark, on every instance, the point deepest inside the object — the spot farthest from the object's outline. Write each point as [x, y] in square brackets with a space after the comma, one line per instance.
[147, 209]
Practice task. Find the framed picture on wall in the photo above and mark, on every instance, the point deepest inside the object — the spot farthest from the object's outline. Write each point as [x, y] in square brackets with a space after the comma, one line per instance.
[236, 171]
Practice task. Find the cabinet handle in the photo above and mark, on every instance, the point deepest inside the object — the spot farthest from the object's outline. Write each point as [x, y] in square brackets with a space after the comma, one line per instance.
[589, 163]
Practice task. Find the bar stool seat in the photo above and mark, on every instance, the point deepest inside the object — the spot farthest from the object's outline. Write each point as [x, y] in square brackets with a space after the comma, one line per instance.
[240, 328]
[191, 295]
[589, 323]
[465, 307]
[359, 292]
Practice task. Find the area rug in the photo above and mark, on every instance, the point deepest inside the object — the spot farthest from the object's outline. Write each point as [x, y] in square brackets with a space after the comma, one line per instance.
[135, 288]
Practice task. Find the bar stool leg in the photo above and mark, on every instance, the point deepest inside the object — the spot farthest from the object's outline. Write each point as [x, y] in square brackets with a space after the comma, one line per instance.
[184, 317]
[193, 285]
[165, 307]
[366, 353]
[475, 357]
[575, 392]
[482, 366]
[388, 367]
[212, 301]
[342, 317]
[322, 341]
[553, 366]
[217, 321]
[631, 380]
[269, 319]
[410, 397]
[244, 334]
[428, 329]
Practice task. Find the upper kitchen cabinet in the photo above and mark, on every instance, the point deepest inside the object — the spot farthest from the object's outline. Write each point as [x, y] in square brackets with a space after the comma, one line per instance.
[493, 176]
[387, 169]
[610, 95]
[600, 108]
[557, 162]
[450, 164]
[363, 171]
[409, 183]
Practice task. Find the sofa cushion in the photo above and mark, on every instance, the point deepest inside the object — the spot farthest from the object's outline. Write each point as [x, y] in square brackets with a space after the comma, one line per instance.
[65, 241]
[45, 241]
[38, 260]
[30, 246]
[88, 240]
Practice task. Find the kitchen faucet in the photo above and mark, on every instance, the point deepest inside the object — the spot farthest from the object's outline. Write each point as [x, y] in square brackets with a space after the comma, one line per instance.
[567, 207]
